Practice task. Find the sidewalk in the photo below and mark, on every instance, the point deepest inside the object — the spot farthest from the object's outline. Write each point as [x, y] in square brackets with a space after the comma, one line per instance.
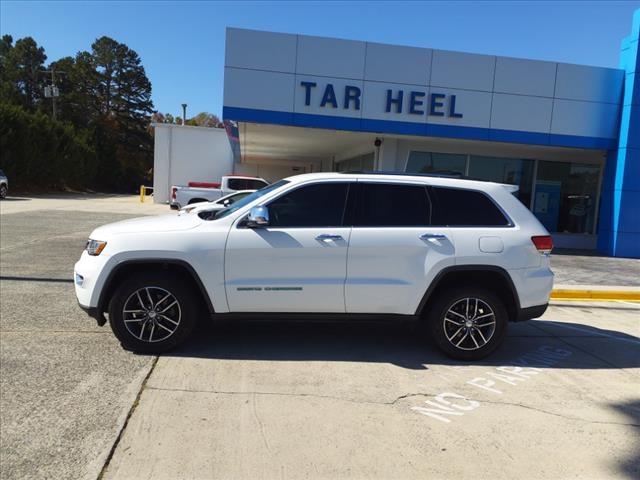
[588, 269]
[84, 202]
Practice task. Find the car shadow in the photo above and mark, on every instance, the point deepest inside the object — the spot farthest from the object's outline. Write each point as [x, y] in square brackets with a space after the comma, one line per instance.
[15, 199]
[631, 466]
[400, 344]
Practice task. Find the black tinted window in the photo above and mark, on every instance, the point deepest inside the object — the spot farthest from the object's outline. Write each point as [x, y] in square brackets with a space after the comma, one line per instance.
[319, 205]
[389, 205]
[457, 207]
[245, 184]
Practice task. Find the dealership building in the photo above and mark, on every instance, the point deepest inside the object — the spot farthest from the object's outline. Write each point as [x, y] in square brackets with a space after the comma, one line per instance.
[568, 135]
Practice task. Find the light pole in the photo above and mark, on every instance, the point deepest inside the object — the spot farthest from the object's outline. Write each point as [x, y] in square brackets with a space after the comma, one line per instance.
[184, 113]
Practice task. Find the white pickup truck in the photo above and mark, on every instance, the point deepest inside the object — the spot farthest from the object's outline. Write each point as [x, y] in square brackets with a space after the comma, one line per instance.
[207, 191]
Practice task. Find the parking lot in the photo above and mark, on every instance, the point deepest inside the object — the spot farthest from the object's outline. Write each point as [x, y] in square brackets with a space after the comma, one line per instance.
[561, 398]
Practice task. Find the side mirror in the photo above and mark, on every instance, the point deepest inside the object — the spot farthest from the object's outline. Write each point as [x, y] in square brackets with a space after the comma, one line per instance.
[258, 217]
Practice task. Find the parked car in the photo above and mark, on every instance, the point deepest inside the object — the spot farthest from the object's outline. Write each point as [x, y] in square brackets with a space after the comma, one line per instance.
[197, 192]
[4, 185]
[214, 206]
[464, 257]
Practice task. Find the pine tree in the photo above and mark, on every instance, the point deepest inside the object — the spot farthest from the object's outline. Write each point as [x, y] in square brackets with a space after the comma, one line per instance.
[23, 69]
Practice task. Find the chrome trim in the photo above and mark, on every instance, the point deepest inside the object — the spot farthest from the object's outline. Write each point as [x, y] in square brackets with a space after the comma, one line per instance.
[258, 216]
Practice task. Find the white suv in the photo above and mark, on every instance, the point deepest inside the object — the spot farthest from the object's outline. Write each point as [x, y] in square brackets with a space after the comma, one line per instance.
[463, 256]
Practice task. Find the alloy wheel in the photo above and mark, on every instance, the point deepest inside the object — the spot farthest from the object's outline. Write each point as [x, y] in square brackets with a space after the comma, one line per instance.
[469, 323]
[151, 314]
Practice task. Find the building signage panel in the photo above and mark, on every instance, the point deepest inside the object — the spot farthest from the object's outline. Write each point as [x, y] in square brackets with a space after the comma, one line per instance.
[414, 102]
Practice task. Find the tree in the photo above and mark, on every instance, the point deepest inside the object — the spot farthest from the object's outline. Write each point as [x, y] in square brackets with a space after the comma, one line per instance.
[205, 119]
[123, 94]
[8, 89]
[77, 81]
[23, 67]
[35, 150]
[123, 86]
[104, 109]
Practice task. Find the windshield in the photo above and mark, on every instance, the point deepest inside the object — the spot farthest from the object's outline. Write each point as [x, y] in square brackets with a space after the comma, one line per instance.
[249, 198]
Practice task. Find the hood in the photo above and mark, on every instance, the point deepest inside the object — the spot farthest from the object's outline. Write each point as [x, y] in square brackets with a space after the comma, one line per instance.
[160, 223]
[196, 208]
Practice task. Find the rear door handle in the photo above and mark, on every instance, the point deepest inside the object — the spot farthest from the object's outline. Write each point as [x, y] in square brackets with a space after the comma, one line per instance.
[327, 237]
[433, 236]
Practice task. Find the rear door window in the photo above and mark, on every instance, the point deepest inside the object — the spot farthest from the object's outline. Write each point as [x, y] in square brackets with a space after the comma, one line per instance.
[392, 205]
[457, 207]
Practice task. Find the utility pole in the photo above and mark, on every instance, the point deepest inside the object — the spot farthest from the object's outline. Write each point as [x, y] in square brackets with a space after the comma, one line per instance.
[52, 91]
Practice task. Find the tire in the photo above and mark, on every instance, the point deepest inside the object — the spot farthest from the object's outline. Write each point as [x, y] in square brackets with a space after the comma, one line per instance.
[174, 307]
[483, 327]
[3, 191]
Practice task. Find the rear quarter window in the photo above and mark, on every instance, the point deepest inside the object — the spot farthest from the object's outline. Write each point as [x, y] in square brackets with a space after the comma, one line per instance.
[458, 207]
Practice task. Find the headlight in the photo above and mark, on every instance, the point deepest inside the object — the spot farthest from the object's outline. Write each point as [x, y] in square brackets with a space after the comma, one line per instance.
[95, 247]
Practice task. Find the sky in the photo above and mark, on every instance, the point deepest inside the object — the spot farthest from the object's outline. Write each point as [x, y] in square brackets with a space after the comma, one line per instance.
[181, 44]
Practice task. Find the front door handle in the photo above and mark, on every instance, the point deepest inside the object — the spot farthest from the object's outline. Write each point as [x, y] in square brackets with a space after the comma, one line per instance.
[433, 236]
[327, 237]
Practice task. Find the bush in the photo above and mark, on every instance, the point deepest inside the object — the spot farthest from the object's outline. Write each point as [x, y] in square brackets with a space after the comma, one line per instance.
[36, 151]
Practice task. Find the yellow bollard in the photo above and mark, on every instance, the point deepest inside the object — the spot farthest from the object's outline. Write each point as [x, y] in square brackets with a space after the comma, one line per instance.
[141, 193]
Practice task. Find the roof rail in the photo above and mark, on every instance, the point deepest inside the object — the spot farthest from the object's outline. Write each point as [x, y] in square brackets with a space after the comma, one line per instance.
[438, 173]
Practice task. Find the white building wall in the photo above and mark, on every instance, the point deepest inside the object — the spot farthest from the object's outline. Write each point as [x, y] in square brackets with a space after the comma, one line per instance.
[183, 154]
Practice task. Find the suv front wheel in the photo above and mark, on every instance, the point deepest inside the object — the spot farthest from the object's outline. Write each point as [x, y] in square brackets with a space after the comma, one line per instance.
[468, 323]
[152, 313]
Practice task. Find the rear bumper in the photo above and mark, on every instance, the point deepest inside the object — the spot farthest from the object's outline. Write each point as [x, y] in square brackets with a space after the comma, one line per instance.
[533, 286]
[529, 313]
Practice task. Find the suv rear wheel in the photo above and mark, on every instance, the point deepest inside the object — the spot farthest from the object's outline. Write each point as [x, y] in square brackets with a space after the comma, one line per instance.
[152, 313]
[468, 323]
[3, 191]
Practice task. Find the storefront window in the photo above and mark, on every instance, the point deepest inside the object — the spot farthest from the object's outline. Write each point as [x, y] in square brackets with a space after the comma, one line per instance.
[513, 171]
[427, 162]
[566, 196]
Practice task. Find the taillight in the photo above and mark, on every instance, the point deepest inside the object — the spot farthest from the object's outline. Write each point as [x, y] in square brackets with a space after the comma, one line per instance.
[543, 243]
[174, 191]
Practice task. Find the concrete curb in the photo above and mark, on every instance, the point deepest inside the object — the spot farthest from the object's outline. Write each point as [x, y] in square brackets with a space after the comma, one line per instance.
[595, 292]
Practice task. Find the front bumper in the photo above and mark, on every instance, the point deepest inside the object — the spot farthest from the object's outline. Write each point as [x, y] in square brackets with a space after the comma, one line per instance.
[94, 313]
[87, 283]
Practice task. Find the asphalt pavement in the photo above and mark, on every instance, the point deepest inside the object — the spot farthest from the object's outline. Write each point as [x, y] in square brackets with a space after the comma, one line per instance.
[561, 398]
[66, 386]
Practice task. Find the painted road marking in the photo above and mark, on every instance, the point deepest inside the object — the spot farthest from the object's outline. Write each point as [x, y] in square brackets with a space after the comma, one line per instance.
[451, 404]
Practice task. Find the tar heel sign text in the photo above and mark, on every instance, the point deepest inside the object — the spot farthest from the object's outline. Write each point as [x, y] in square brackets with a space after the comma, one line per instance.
[414, 102]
